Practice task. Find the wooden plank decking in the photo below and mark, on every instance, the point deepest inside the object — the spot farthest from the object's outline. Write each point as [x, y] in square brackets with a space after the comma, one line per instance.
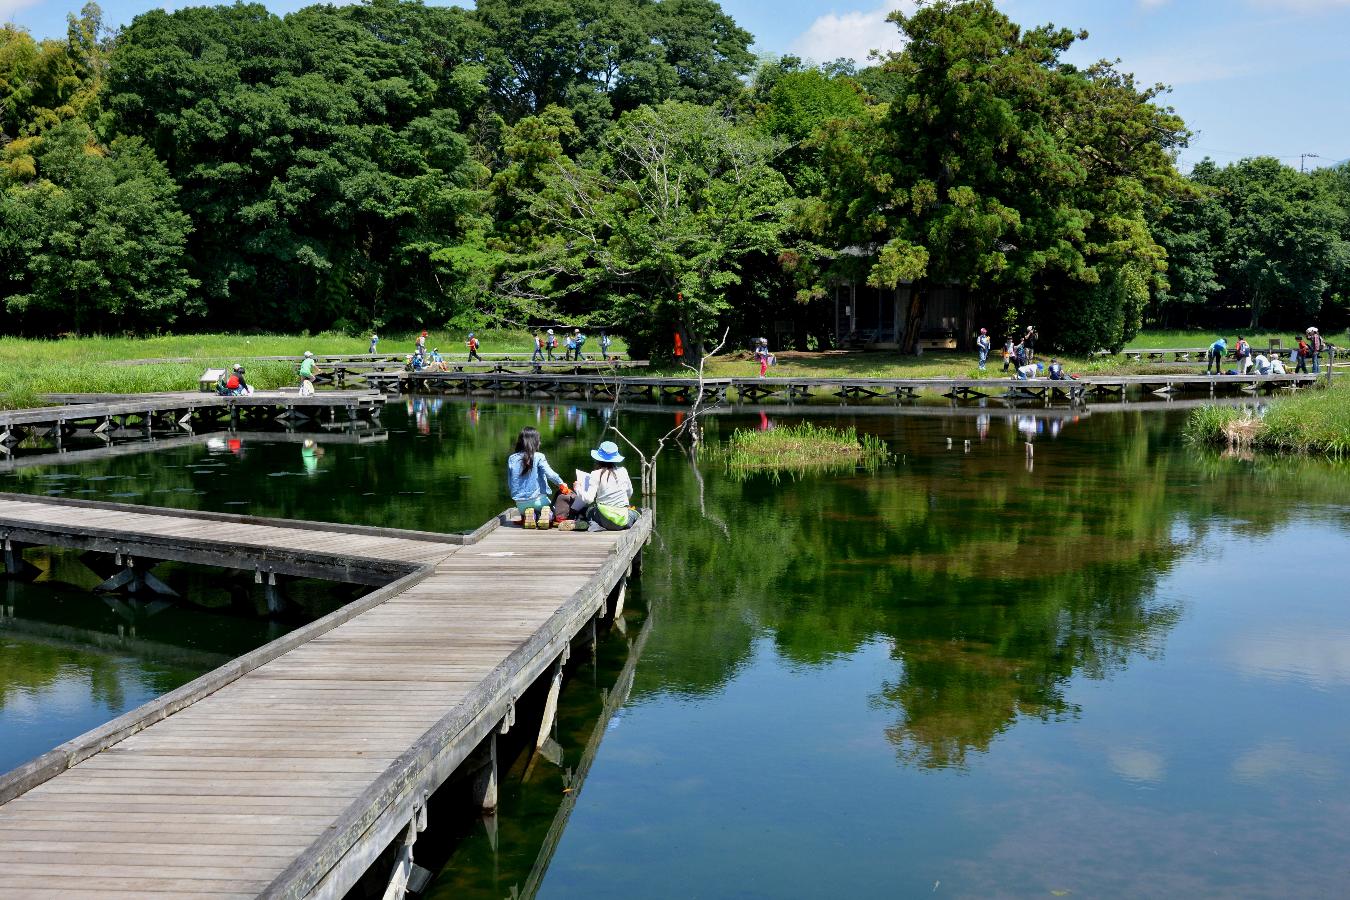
[848, 390]
[287, 771]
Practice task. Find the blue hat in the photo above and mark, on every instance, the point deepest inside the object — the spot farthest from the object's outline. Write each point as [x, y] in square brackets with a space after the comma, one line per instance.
[607, 452]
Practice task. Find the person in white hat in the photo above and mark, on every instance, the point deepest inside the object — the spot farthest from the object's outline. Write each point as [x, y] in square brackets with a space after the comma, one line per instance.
[308, 369]
[550, 344]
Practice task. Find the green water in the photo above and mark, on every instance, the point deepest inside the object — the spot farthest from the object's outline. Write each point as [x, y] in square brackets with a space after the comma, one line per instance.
[1120, 668]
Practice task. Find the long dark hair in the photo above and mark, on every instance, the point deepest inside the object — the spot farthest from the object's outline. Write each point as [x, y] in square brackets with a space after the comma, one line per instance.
[606, 469]
[527, 445]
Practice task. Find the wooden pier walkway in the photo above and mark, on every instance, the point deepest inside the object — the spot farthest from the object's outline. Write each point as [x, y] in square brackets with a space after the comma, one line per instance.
[802, 388]
[288, 771]
[183, 410]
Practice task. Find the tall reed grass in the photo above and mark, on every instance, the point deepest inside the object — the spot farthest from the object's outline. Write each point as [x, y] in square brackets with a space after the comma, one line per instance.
[1311, 421]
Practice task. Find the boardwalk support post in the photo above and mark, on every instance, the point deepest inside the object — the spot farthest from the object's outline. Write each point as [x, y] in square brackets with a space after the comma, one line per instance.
[485, 781]
[616, 598]
[15, 565]
[403, 874]
[134, 580]
[551, 702]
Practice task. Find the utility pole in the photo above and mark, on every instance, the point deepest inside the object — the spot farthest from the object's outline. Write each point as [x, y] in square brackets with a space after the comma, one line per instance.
[1303, 156]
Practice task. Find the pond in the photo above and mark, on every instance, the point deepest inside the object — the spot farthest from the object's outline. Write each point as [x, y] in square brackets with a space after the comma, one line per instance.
[1118, 666]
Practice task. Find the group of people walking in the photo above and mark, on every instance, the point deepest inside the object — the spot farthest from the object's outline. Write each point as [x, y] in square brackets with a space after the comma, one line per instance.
[1310, 347]
[1018, 353]
[599, 499]
[546, 344]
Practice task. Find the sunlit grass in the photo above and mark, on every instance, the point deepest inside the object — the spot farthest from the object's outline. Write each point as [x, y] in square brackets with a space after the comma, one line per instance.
[798, 449]
[1311, 421]
[30, 368]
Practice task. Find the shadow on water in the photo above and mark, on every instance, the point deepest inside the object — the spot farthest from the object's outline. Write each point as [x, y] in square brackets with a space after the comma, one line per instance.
[886, 678]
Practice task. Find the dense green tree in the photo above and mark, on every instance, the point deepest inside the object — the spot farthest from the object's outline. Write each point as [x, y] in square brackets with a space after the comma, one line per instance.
[1191, 228]
[651, 229]
[1000, 167]
[1282, 241]
[600, 58]
[93, 240]
[321, 156]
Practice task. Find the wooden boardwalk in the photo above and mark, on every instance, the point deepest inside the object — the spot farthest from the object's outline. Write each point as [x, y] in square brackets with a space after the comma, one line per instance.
[849, 390]
[183, 411]
[286, 772]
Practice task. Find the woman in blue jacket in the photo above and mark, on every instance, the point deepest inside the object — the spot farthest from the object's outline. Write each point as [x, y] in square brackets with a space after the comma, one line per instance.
[528, 476]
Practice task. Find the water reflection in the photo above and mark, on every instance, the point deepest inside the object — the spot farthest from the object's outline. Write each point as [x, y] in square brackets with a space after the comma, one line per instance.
[1110, 665]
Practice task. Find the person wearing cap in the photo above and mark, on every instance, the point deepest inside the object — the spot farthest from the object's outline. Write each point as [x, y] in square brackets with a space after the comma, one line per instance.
[578, 341]
[1029, 342]
[1316, 345]
[550, 344]
[472, 344]
[982, 345]
[308, 369]
[374, 342]
[1029, 371]
[602, 498]
[231, 382]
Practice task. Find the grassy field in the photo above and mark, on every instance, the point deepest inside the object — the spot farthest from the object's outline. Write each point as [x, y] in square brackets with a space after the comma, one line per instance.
[30, 368]
[1311, 421]
[1177, 340]
[889, 364]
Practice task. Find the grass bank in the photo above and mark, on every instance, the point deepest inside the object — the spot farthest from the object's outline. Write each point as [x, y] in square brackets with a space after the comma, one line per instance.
[890, 364]
[798, 449]
[1311, 421]
[30, 368]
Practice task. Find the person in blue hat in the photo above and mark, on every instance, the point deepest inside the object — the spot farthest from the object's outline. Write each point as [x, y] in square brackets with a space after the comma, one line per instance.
[602, 498]
[472, 344]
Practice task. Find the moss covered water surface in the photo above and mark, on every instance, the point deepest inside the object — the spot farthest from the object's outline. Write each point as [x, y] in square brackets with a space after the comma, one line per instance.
[1117, 666]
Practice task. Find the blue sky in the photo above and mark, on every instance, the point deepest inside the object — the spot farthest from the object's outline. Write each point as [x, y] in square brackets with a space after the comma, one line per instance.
[1250, 77]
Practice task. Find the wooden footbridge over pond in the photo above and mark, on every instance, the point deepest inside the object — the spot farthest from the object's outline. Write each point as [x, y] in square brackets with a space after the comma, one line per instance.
[1086, 388]
[290, 771]
[109, 414]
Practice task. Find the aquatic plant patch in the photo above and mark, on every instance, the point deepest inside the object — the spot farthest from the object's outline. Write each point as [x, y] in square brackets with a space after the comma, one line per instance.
[798, 449]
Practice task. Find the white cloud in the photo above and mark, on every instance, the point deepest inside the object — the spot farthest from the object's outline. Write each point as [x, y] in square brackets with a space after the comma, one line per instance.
[1320, 656]
[1137, 764]
[1271, 759]
[851, 34]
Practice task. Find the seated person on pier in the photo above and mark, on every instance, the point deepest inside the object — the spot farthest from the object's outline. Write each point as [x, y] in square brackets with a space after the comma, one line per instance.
[1261, 364]
[1057, 372]
[1276, 367]
[232, 383]
[438, 363]
[601, 498]
[528, 476]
